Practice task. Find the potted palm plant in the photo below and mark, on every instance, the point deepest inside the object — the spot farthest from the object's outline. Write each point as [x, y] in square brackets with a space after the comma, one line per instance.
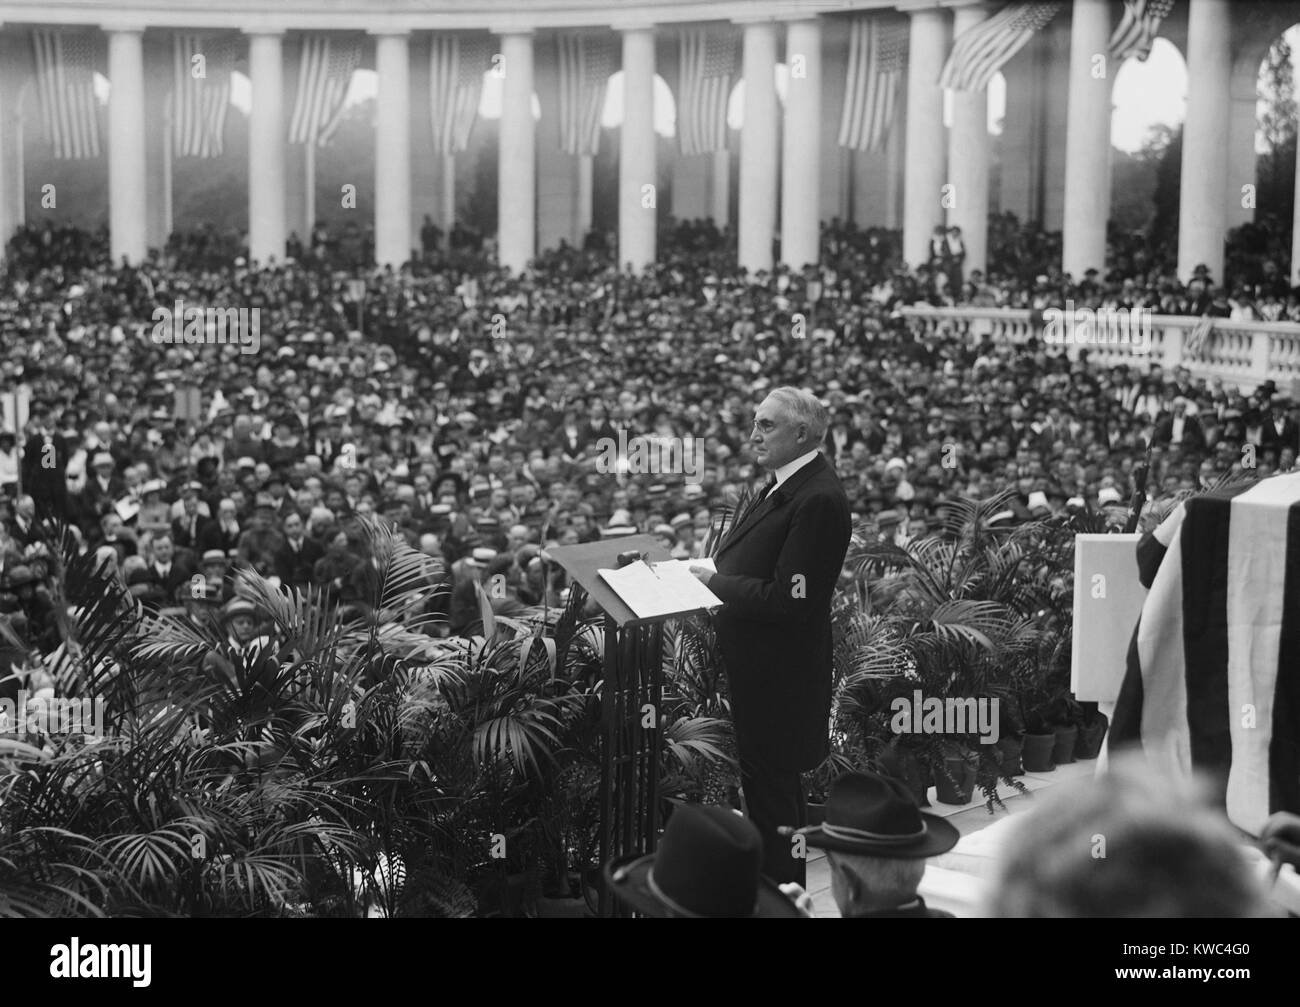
[957, 617]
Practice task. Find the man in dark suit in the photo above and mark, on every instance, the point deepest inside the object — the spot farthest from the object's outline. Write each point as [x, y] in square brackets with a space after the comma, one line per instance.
[166, 571]
[45, 468]
[103, 488]
[295, 559]
[1279, 430]
[22, 526]
[776, 576]
[1181, 430]
[193, 531]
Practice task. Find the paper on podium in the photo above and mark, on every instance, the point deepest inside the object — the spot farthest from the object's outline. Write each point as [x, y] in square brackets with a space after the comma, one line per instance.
[665, 588]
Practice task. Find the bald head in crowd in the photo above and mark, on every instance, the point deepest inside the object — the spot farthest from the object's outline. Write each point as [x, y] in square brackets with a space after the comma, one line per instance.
[1127, 845]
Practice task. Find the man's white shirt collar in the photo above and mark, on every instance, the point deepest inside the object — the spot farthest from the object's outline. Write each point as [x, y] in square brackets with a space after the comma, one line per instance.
[791, 467]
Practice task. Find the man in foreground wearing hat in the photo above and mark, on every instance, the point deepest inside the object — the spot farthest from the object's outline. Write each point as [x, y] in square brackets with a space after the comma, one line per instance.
[876, 841]
[708, 864]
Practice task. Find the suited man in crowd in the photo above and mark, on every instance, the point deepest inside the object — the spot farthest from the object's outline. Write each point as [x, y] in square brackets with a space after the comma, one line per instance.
[45, 466]
[295, 559]
[776, 574]
[1279, 430]
[22, 526]
[165, 571]
[1180, 429]
[192, 530]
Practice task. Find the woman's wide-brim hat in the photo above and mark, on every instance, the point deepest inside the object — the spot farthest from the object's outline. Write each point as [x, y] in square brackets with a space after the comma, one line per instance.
[709, 864]
[875, 816]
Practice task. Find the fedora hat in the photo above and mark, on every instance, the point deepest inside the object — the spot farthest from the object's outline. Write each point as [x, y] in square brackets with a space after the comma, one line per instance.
[875, 816]
[708, 864]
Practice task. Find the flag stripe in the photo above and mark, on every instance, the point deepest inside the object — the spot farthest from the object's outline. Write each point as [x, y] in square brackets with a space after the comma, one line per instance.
[456, 68]
[1254, 623]
[324, 77]
[980, 51]
[877, 57]
[585, 64]
[66, 86]
[1205, 640]
[1213, 676]
[201, 103]
[1138, 27]
[708, 66]
[1284, 747]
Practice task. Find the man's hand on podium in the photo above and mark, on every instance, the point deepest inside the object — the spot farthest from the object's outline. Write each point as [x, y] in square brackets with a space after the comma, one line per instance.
[702, 573]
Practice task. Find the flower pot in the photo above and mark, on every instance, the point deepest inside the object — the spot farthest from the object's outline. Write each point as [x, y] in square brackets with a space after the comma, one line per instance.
[1036, 753]
[1066, 736]
[816, 813]
[1088, 745]
[1009, 750]
[905, 766]
[956, 783]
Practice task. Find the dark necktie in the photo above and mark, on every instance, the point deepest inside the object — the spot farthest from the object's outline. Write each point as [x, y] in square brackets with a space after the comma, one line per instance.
[767, 488]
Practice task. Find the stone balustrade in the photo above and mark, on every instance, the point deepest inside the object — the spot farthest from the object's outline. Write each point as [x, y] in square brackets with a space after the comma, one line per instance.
[1238, 353]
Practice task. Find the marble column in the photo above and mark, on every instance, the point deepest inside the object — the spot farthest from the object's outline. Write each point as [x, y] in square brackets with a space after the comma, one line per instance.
[127, 201]
[393, 150]
[758, 149]
[1087, 142]
[801, 147]
[636, 152]
[969, 149]
[926, 138]
[517, 155]
[1202, 218]
[267, 203]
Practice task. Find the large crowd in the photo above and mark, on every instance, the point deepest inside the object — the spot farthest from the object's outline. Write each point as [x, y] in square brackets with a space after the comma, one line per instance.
[481, 414]
[474, 410]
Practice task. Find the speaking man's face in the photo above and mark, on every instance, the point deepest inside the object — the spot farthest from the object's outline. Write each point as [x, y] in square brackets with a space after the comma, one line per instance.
[777, 437]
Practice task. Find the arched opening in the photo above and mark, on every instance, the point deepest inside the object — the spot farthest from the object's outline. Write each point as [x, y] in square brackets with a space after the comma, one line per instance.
[1148, 108]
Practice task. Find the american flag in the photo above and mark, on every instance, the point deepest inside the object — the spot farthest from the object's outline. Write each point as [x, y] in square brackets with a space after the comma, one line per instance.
[708, 60]
[199, 104]
[65, 80]
[877, 56]
[586, 61]
[981, 51]
[1137, 29]
[324, 76]
[1197, 344]
[456, 67]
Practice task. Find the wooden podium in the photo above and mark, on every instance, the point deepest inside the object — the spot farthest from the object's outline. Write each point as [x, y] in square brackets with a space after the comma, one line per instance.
[630, 695]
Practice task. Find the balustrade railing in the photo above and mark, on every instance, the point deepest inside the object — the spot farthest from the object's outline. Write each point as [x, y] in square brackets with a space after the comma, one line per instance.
[1239, 353]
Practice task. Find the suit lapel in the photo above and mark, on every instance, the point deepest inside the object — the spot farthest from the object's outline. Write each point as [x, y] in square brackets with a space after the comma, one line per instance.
[786, 490]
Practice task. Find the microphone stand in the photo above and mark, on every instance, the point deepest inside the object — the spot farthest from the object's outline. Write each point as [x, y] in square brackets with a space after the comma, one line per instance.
[1139, 491]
